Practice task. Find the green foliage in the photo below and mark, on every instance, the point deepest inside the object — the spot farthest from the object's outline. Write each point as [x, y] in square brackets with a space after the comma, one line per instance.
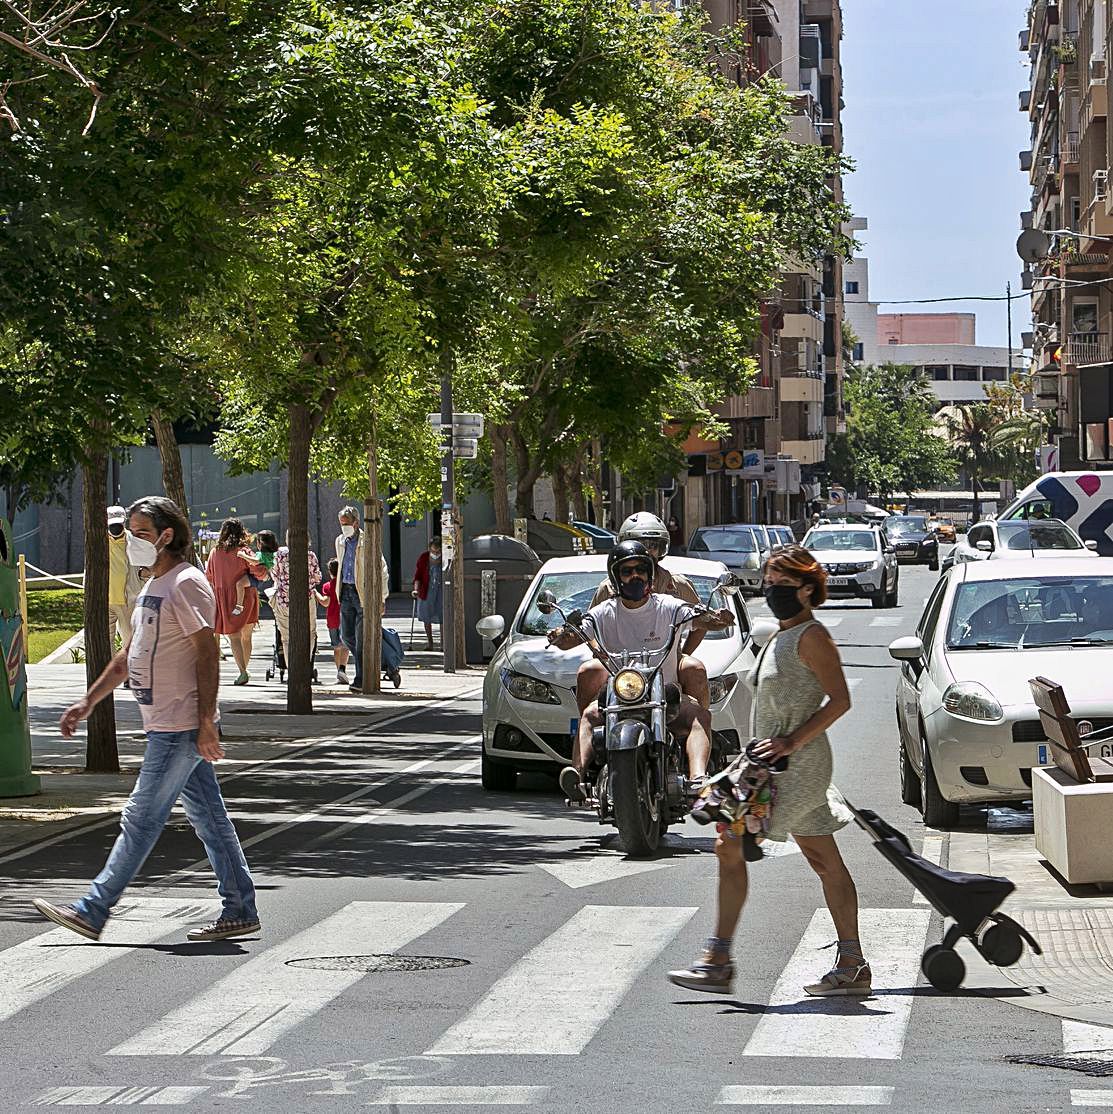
[892, 442]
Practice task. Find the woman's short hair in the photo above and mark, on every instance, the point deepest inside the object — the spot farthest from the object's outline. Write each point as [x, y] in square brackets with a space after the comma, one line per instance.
[165, 514]
[796, 561]
[232, 534]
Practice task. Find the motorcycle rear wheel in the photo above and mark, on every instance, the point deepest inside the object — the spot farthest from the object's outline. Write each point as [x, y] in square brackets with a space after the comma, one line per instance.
[637, 815]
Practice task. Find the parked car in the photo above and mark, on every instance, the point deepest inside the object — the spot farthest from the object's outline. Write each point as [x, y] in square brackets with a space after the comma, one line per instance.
[1083, 500]
[860, 562]
[529, 693]
[914, 542]
[943, 528]
[1021, 538]
[780, 535]
[738, 546]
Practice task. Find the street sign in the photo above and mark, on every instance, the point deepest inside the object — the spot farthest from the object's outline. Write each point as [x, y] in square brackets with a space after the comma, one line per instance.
[714, 462]
[753, 464]
[732, 461]
[463, 425]
[465, 448]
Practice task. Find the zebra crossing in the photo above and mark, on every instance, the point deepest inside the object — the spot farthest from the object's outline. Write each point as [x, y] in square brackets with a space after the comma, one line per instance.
[552, 1000]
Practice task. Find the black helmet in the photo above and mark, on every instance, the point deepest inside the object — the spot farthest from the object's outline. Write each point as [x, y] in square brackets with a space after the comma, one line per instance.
[629, 551]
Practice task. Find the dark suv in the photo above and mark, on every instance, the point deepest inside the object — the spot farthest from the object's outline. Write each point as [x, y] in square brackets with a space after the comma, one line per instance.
[914, 541]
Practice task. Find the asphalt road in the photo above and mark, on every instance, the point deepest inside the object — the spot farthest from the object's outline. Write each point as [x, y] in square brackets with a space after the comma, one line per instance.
[541, 982]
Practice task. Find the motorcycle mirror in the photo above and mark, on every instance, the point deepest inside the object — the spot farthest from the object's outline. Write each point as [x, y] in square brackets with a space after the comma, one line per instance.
[727, 583]
[546, 602]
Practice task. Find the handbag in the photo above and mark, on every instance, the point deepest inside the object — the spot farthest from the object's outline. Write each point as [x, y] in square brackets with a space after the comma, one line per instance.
[741, 798]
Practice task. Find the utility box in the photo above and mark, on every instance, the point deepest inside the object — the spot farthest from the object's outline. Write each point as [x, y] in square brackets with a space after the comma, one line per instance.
[16, 779]
[497, 571]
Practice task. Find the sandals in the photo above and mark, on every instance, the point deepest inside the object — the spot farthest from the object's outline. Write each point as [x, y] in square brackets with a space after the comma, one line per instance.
[707, 973]
[238, 609]
[854, 979]
[572, 786]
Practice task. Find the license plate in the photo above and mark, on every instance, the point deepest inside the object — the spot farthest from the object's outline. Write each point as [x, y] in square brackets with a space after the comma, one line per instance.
[838, 581]
[906, 549]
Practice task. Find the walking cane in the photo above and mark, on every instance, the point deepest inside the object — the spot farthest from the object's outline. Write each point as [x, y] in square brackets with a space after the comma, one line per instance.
[413, 623]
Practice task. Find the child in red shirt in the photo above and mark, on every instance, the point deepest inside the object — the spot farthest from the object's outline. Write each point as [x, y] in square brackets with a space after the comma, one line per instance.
[326, 597]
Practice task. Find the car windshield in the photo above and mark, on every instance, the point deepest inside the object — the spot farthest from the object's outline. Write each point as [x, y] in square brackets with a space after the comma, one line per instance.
[1025, 612]
[575, 590]
[728, 541]
[856, 541]
[1036, 535]
[906, 524]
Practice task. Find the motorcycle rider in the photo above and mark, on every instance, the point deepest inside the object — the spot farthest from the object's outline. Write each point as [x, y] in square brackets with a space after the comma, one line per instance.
[635, 618]
[647, 528]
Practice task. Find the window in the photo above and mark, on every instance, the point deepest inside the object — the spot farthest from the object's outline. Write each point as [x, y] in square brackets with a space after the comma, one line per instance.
[859, 352]
[965, 374]
[851, 286]
[931, 614]
[937, 372]
[998, 374]
[1084, 317]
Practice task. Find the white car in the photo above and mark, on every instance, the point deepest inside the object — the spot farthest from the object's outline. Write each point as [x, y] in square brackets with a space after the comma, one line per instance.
[860, 562]
[1020, 538]
[529, 695]
[969, 729]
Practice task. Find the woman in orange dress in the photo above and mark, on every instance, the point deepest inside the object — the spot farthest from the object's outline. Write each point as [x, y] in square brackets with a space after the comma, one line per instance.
[225, 566]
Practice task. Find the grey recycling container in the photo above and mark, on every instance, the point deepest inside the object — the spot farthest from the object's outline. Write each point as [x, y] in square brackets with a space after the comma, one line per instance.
[497, 571]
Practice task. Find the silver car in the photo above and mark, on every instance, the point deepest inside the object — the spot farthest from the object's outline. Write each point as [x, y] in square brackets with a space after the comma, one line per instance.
[529, 694]
[969, 729]
[742, 547]
[860, 562]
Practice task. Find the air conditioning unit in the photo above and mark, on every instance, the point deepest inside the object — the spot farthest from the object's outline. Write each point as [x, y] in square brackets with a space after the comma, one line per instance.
[1101, 184]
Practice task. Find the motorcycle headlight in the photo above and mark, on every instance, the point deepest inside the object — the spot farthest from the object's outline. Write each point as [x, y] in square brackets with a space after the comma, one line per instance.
[720, 687]
[969, 700]
[629, 686]
[528, 688]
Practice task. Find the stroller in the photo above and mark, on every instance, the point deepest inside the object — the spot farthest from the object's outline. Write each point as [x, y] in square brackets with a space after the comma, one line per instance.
[278, 659]
[970, 900]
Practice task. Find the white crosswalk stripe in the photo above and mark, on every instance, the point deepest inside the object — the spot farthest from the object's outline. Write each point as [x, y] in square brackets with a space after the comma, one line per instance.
[38, 967]
[887, 621]
[244, 1013]
[556, 997]
[118, 1096]
[795, 1025]
[1081, 1037]
[459, 1096]
[756, 1094]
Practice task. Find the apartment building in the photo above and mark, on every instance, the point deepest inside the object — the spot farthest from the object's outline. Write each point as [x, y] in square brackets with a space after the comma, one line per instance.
[1068, 165]
[782, 423]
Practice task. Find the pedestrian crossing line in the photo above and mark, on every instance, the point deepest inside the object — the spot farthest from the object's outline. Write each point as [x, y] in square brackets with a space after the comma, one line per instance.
[118, 1096]
[249, 1009]
[459, 1096]
[1078, 1036]
[887, 621]
[757, 1094]
[1080, 1097]
[558, 995]
[830, 624]
[847, 1028]
[36, 968]
[932, 850]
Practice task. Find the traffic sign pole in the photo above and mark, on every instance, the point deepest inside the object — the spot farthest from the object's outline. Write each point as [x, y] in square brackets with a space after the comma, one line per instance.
[448, 526]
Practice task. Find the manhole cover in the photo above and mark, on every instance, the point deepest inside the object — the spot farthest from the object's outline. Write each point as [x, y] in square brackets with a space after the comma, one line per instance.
[1088, 1063]
[370, 963]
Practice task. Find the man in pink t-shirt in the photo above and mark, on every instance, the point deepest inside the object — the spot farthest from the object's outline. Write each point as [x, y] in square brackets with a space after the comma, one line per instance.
[172, 664]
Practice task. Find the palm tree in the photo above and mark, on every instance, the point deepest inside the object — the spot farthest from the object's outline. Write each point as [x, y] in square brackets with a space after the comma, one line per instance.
[970, 428]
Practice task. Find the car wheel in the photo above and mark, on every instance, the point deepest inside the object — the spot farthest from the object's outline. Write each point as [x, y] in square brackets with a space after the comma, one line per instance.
[909, 782]
[937, 811]
[933, 566]
[879, 597]
[893, 598]
[497, 777]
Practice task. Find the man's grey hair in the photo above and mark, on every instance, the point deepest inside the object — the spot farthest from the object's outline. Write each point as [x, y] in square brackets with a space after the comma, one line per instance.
[165, 515]
[349, 512]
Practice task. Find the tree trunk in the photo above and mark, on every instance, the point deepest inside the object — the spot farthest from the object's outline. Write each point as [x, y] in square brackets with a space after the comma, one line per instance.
[560, 492]
[527, 476]
[101, 753]
[576, 485]
[299, 666]
[171, 458]
[372, 569]
[500, 481]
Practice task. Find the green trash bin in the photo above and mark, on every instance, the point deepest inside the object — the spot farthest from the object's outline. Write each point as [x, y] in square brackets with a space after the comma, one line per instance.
[16, 779]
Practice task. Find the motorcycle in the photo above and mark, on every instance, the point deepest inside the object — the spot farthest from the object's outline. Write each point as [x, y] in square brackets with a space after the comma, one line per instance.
[639, 766]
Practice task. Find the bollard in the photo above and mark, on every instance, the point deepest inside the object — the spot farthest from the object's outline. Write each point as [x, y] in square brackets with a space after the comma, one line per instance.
[16, 779]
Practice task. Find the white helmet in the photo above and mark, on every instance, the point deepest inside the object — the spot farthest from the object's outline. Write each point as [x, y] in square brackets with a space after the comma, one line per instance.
[643, 526]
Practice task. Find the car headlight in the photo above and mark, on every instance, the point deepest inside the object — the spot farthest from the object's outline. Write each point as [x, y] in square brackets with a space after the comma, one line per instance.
[969, 700]
[750, 561]
[720, 687]
[629, 686]
[522, 687]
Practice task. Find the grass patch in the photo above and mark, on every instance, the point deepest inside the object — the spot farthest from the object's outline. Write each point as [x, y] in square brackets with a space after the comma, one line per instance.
[54, 615]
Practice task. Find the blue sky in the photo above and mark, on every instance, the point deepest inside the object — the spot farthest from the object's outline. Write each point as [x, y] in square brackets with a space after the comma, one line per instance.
[932, 122]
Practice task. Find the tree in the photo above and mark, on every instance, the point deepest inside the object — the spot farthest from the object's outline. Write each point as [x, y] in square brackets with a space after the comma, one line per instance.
[892, 442]
[970, 429]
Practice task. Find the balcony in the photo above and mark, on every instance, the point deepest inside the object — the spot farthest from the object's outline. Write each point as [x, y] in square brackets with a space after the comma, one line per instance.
[762, 17]
[802, 387]
[1024, 39]
[1025, 161]
[1095, 104]
[803, 326]
[1025, 99]
[1087, 348]
[1070, 149]
[811, 450]
[757, 402]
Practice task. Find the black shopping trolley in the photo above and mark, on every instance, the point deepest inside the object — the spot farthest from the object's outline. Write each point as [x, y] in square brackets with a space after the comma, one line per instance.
[278, 658]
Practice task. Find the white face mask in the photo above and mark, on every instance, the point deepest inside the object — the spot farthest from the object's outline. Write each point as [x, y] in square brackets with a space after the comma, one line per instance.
[141, 553]
[348, 531]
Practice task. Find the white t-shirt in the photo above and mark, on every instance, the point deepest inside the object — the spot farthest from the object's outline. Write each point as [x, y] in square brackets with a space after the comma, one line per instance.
[162, 660]
[647, 627]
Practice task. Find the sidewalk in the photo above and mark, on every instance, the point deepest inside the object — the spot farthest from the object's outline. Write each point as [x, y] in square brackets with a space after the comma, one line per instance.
[1073, 978]
[254, 724]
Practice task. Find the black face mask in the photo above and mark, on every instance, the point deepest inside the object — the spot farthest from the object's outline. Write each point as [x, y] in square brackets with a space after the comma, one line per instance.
[116, 529]
[634, 589]
[783, 601]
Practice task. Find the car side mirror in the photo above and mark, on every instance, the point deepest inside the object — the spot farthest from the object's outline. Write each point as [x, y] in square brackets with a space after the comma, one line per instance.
[491, 627]
[1091, 545]
[910, 648]
[985, 547]
[546, 602]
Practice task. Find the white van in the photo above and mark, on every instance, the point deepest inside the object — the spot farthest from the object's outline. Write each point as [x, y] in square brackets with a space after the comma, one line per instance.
[1083, 500]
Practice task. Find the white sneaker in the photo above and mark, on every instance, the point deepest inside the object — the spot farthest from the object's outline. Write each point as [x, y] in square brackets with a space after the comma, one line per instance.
[341, 677]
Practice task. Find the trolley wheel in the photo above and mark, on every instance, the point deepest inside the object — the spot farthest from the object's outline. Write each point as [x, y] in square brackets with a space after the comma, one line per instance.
[943, 967]
[269, 674]
[1001, 945]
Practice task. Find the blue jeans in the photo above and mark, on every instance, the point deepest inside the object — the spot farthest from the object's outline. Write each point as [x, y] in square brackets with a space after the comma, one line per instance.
[172, 768]
[351, 627]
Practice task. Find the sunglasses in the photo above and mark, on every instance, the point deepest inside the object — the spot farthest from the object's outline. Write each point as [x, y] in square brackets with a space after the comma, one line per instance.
[627, 571]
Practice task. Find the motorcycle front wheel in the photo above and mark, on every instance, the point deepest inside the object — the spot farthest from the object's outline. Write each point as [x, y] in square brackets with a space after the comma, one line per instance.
[637, 810]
